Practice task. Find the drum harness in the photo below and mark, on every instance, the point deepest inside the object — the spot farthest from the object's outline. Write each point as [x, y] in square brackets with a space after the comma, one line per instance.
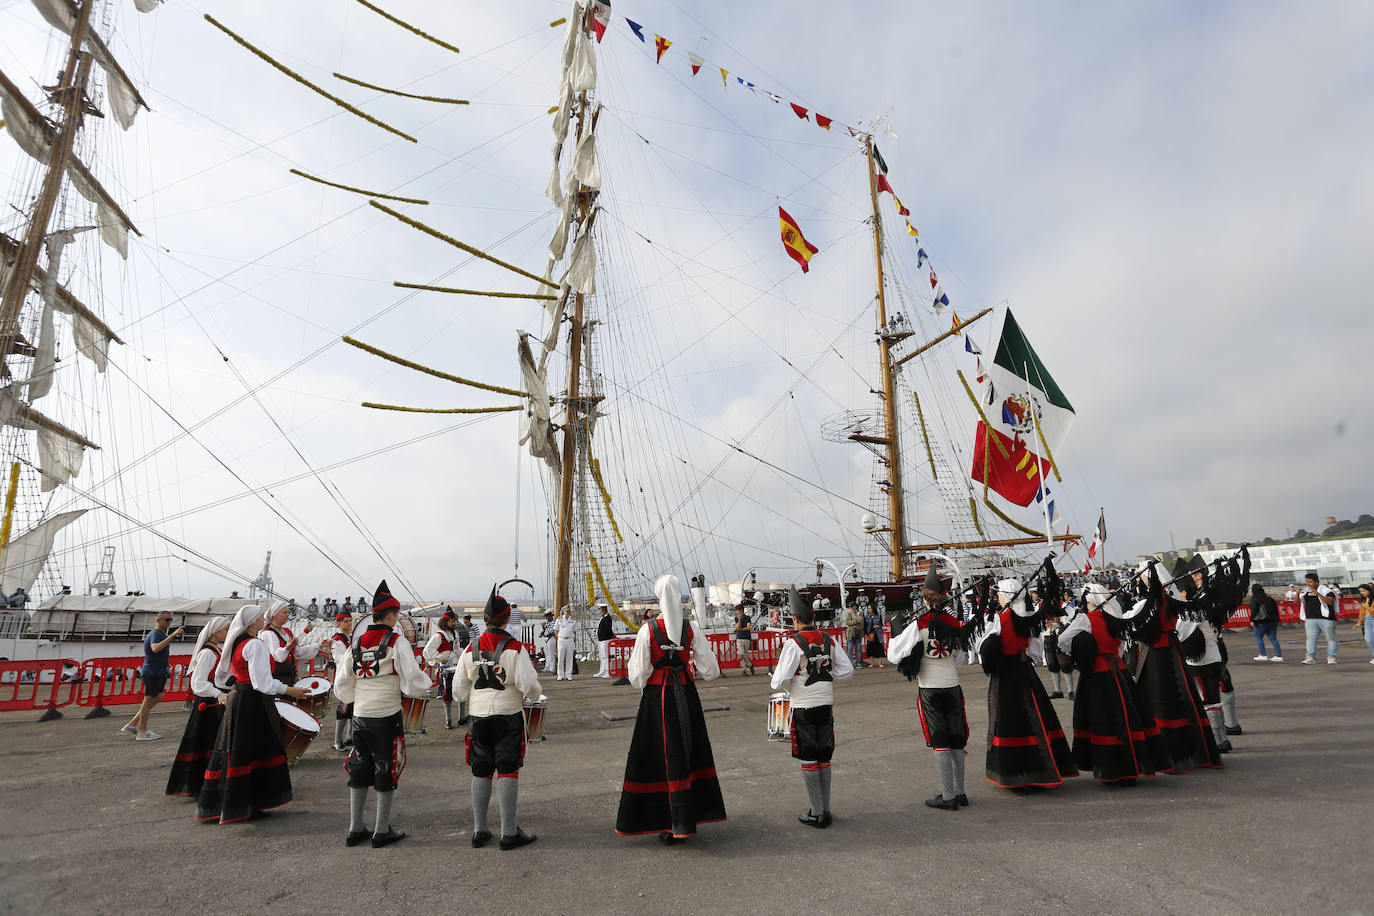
[368, 662]
[490, 675]
[817, 657]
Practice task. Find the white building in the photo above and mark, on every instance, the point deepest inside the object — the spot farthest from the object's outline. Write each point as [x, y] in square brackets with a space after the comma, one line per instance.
[1349, 561]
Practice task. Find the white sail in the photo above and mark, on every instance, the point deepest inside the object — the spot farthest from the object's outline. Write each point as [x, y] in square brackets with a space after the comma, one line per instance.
[59, 458]
[123, 96]
[23, 557]
[582, 267]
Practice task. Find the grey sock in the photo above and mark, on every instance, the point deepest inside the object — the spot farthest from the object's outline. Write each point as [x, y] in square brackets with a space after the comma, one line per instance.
[339, 732]
[958, 758]
[825, 788]
[944, 760]
[1218, 724]
[812, 778]
[1228, 709]
[481, 800]
[448, 713]
[356, 799]
[507, 791]
[384, 811]
[462, 710]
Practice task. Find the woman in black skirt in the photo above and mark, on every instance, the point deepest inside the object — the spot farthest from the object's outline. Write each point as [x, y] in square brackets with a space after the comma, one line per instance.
[247, 772]
[207, 709]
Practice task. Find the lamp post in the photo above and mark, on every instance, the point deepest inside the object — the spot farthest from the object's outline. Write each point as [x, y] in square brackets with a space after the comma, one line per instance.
[839, 574]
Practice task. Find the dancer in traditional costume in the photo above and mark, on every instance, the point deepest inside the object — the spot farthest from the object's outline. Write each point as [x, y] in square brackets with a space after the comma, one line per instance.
[1164, 688]
[809, 664]
[925, 651]
[379, 668]
[340, 644]
[440, 651]
[495, 675]
[1026, 745]
[670, 776]
[285, 647]
[1110, 737]
[247, 773]
[207, 709]
[1057, 662]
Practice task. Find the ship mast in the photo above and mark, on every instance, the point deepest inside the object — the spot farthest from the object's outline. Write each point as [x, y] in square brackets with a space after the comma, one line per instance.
[895, 506]
[573, 403]
[71, 93]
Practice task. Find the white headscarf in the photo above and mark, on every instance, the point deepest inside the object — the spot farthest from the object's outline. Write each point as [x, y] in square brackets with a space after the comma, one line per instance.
[210, 629]
[669, 591]
[1098, 595]
[242, 621]
[1006, 589]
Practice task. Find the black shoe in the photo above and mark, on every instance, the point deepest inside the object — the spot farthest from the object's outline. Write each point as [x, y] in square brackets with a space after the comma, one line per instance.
[355, 837]
[666, 838]
[939, 801]
[448, 725]
[480, 838]
[1070, 694]
[813, 820]
[385, 839]
[259, 814]
[1224, 747]
[865, 665]
[463, 721]
[962, 800]
[517, 839]
[1056, 695]
[1234, 730]
[826, 819]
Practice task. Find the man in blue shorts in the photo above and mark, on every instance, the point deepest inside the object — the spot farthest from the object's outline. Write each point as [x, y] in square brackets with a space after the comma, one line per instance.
[156, 653]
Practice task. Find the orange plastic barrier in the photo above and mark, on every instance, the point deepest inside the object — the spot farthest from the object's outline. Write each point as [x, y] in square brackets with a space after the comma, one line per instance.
[115, 682]
[45, 685]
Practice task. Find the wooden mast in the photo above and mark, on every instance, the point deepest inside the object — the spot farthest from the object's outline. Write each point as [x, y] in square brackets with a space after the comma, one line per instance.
[71, 92]
[572, 403]
[895, 504]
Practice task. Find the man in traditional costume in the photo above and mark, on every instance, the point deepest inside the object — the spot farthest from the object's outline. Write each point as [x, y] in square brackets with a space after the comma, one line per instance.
[247, 775]
[496, 676]
[340, 645]
[1110, 736]
[207, 709]
[1202, 652]
[670, 775]
[809, 664]
[1057, 662]
[440, 651]
[379, 668]
[925, 651]
[1164, 686]
[1026, 745]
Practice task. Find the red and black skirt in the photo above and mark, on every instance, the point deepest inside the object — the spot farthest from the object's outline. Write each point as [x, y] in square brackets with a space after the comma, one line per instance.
[1110, 737]
[1026, 744]
[197, 743]
[1166, 695]
[670, 775]
[247, 768]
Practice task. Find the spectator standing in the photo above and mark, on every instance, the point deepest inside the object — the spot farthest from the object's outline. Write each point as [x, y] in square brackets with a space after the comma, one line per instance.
[156, 653]
[604, 633]
[854, 632]
[1264, 619]
[873, 636]
[474, 631]
[516, 627]
[1317, 610]
[566, 630]
[744, 639]
[1365, 622]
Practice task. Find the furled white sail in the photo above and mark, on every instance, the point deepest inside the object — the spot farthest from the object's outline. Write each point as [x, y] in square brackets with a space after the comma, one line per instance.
[582, 267]
[22, 559]
[582, 73]
[111, 223]
[59, 458]
[536, 428]
[91, 340]
[45, 360]
[586, 168]
[123, 96]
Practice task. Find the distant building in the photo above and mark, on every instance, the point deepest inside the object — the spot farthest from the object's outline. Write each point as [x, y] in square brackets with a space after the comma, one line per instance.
[1330, 520]
[1347, 561]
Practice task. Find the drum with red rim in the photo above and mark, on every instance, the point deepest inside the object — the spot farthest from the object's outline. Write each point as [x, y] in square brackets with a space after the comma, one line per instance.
[298, 729]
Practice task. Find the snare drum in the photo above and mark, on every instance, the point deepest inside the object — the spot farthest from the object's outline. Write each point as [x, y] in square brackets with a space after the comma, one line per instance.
[413, 713]
[317, 702]
[535, 711]
[298, 729]
[779, 717]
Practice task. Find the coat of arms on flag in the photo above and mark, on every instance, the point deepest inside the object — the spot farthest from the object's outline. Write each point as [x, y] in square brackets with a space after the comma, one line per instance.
[796, 244]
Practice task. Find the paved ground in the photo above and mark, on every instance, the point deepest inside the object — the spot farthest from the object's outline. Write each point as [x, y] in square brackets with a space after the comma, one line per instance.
[1284, 828]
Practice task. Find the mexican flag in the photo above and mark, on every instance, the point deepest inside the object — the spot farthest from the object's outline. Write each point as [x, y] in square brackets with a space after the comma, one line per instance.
[1028, 418]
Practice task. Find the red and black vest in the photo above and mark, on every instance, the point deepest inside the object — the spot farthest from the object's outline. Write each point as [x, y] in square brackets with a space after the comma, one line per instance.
[1013, 643]
[669, 661]
[371, 648]
[238, 665]
[1168, 624]
[815, 647]
[284, 671]
[1107, 644]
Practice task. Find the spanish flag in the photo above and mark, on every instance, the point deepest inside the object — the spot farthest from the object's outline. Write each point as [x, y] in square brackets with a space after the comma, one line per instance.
[796, 244]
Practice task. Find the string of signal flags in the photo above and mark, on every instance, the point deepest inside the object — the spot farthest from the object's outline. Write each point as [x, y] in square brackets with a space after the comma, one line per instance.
[793, 239]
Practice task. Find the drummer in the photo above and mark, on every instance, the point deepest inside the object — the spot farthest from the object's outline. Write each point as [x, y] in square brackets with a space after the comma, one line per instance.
[284, 647]
[496, 737]
[809, 664]
[441, 649]
[380, 668]
[339, 646]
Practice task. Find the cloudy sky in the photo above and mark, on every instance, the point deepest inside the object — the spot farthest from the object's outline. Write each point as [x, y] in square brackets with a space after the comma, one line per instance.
[1176, 201]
